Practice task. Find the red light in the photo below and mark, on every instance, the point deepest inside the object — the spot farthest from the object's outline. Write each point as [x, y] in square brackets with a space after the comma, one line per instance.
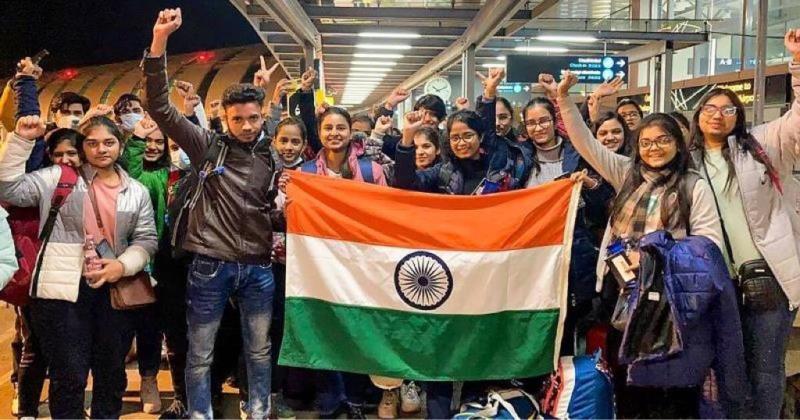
[205, 56]
[68, 74]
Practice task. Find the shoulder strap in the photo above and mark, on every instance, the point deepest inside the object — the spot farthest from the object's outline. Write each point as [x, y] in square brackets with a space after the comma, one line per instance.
[365, 165]
[66, 183]
[309, 167]
[719, 213]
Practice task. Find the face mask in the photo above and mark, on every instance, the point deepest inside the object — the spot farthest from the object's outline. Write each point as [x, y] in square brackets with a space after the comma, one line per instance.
[68, 121]
[129, 120]
[180, 159]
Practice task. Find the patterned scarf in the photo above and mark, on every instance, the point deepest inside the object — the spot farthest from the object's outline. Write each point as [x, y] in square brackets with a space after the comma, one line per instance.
[633, 217]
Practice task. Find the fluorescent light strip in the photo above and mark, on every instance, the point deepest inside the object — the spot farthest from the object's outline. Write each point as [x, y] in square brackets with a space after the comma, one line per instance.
[369, 70]
[493, 65]
[373, 63]
[542, 49]
[383, 46]
[566, 38]
[395, 35]
[377, 55]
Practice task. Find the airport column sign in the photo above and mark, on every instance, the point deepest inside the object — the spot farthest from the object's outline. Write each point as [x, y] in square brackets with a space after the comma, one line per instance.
[589, 69]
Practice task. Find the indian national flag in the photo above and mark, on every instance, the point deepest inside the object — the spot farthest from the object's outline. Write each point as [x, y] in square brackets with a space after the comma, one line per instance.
[424, 286]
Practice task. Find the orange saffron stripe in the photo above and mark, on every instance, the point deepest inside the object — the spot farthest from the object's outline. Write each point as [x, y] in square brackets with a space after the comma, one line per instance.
[358, 212]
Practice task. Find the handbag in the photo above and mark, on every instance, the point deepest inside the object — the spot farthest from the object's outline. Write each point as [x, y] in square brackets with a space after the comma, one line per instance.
[129, 292]
[760, 290]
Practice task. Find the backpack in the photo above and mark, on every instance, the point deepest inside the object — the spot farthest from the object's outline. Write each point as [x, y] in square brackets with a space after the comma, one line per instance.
[29, 248]
[365, 165]
[187, 192]
[581, 388]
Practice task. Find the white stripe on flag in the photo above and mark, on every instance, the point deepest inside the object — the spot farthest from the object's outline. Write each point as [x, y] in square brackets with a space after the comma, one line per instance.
[356, 274]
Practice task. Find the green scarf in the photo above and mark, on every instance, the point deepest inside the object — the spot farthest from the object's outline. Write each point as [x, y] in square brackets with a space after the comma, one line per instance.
[154, 180]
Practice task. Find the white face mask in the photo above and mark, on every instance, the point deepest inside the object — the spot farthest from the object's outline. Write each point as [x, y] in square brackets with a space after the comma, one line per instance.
[180, 159]
[129, 120]
[68, 121]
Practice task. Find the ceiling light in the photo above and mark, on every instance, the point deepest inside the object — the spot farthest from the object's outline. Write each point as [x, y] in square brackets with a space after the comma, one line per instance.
[396, 35]
[501, 57]
[373, 63]
[542, 49]
[567, 38]
[377, 55]
[384, 46]
[493, 65]
[368, 70]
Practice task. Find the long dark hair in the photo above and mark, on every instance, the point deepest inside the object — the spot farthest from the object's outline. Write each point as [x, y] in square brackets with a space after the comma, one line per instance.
[680, 165]
[627, 137]
[744, 139]
[551, 109]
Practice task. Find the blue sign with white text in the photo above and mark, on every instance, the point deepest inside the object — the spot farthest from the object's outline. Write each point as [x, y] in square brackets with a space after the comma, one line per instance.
[589, 69]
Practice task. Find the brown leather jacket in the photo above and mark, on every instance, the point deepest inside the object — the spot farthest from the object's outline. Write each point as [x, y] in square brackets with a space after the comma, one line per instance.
[234, 216]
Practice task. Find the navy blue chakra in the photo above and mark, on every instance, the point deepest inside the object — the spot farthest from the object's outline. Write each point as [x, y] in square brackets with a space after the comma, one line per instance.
[423, 280]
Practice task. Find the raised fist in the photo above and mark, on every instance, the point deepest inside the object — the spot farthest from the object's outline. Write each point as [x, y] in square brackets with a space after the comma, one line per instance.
[25, 67]
[382, 125]
[398, 95]
[568, 80]
[281, 88]
[214, 108]
[549, 84]
[144, 127]
[462, 103]
[168, 21]
[30, 127]
[307, 79]
[184, 88]
[792, 43]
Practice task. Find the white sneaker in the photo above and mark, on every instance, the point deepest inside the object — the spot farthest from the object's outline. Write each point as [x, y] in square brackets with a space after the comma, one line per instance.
[151, 399]
[409, 398]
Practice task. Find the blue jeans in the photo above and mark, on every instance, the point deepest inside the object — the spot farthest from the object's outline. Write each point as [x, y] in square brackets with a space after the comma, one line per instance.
[765, 336]
[211, 283]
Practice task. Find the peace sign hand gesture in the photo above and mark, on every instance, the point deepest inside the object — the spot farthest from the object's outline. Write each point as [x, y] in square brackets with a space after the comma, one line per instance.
[262, 76]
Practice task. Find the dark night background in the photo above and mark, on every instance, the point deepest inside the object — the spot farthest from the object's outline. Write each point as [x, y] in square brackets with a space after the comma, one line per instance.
[85, 32]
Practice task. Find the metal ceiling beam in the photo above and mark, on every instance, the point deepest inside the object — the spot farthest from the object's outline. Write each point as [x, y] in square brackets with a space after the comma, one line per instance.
[349, 41]
[491, 17]
[407, 13]
[353, 30]
[696, 37]
[245, 10]
[537, 11]
[290, 16]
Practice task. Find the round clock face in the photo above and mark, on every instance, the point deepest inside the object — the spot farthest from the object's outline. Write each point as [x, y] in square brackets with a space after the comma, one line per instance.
[440, 87]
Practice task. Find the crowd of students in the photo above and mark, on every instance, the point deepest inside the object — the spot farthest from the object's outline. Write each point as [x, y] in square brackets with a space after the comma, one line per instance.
[199, 205]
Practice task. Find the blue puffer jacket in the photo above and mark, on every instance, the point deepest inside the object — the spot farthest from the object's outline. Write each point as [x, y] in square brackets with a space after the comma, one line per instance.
[703, 302]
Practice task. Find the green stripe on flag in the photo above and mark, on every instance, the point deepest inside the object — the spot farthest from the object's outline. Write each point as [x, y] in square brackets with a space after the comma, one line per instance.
[418, 346]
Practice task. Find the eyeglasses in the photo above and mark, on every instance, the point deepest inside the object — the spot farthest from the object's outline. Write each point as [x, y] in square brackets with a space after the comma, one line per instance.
[727, 110]
[660, 142]
[631, 114]
[544, 123]
[466, 137]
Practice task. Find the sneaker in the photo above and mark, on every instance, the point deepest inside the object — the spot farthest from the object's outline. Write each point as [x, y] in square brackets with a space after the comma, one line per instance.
[175, 411]
[355, 411]
[151, 400]
[15, 402]
[280, 409]
[409, 398]
[244, 411]
[387, 409]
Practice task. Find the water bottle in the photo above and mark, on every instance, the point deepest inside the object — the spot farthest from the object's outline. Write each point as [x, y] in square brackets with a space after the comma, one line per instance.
[91, 261]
